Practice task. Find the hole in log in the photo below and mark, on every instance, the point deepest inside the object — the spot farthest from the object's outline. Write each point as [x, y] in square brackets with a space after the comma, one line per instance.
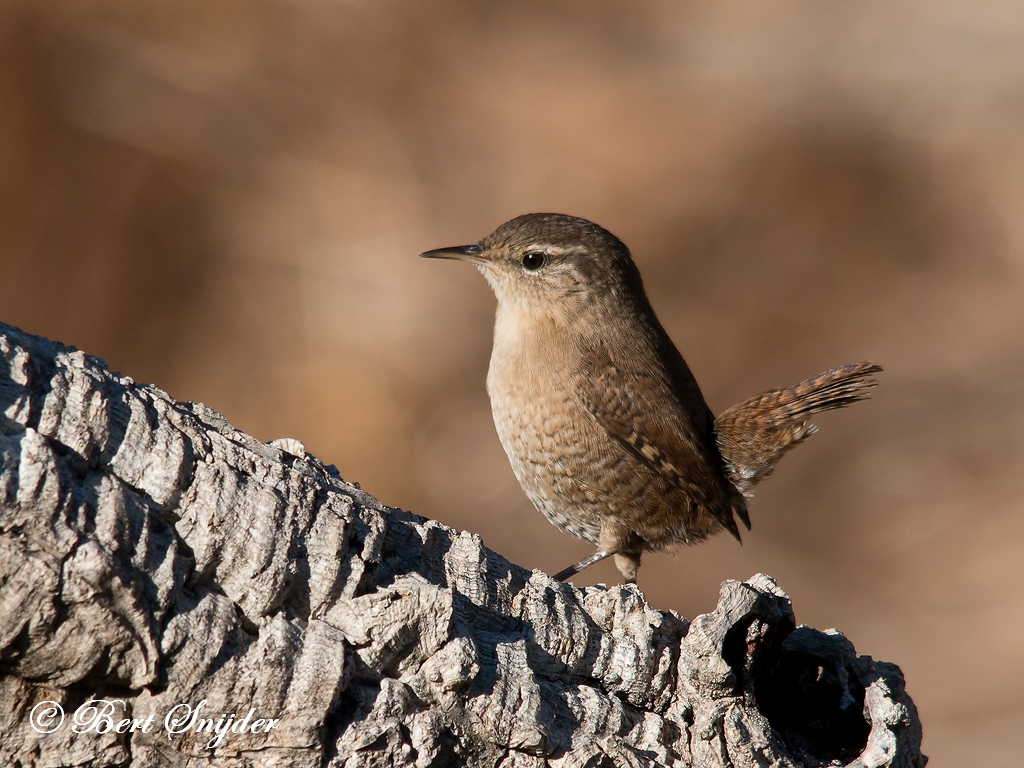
[817, 709]
[803, 681]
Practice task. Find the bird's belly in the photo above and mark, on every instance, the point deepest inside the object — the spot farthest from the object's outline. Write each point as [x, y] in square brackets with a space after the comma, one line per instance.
[549, 440]
[576, 475]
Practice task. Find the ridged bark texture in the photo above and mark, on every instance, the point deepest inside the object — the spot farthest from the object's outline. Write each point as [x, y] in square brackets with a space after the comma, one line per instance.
[153, 557]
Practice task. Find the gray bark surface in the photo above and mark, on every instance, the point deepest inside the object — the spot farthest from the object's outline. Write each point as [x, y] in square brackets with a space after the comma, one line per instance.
[152, 556]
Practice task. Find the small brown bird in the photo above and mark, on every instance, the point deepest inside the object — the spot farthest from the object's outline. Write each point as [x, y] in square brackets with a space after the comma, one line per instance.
[605, 426]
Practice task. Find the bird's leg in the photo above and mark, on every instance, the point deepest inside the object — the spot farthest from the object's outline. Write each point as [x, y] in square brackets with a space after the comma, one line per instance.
[627, 546]
[615, 540]
[572, 570]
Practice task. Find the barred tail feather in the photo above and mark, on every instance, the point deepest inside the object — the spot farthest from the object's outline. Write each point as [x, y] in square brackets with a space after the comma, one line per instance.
[753, 435]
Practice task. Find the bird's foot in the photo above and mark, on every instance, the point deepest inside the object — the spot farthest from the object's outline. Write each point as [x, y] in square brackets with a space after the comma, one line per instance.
[628, 564]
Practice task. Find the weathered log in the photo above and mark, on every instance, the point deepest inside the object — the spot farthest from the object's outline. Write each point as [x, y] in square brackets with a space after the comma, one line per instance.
[152, 558]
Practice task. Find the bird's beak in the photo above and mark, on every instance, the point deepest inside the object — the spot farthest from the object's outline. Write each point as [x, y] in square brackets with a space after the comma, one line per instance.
[457, 252]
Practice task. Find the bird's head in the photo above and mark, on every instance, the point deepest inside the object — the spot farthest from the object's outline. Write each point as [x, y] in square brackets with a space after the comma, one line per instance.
[550, 262]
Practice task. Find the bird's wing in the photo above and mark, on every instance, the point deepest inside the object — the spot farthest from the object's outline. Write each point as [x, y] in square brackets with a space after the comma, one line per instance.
[639, 409]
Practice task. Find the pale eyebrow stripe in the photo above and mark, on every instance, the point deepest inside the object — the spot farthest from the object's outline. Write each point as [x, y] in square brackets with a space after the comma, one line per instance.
[551, 250]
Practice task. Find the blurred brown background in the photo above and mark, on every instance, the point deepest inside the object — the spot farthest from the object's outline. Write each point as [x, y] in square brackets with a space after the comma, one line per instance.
[227, 198]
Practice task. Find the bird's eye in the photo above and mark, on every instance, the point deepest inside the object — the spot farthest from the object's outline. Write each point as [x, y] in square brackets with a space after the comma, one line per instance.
[533, 261]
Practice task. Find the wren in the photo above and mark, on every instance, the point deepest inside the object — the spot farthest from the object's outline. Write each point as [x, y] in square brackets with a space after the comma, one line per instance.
[602, 420]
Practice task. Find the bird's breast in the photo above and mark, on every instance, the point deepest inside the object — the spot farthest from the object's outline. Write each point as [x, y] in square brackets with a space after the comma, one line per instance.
[542, 427]
[529, 385]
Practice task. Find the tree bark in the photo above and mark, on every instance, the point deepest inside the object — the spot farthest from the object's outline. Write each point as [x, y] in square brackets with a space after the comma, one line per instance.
[154, 562]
